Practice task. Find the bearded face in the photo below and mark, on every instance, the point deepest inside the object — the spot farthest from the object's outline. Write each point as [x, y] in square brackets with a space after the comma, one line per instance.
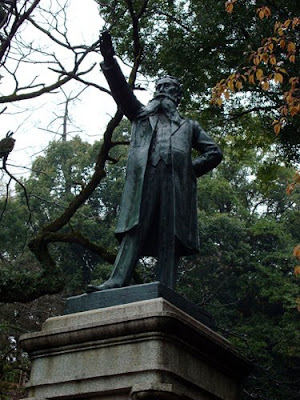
[166, 98]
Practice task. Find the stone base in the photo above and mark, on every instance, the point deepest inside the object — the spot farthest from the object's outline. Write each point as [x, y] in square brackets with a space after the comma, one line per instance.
[131, 294]
[147, 350]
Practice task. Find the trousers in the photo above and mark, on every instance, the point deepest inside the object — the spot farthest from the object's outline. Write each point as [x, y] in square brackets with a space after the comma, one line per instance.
[156, 210]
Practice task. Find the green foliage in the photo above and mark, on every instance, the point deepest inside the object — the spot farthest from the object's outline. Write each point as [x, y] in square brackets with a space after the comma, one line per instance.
[244, 272]
[16, 319]
[200, 43]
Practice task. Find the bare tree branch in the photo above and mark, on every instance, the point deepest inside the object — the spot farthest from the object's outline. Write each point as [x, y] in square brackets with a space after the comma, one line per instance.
[16, 25]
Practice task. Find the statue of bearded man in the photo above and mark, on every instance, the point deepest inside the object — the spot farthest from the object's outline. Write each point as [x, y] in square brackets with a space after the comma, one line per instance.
[158, 212]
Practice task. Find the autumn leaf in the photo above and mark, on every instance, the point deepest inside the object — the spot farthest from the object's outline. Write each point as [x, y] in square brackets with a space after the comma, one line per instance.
[239, 85]
[291, 47]
[278, 77]
[229, 6]
[265, 57]
[292, 59]
[277, 128]
[290, 188]
[273, 69]
[265, 85]
[282, 43]
[283, 71]
[219, 101]
[294, 111]
[297, 270]
[230, 85]
[286, 23]
[293, 81]
[259, 74]
[296, 251]
[283, 110]
[263, 12]
[226, 94]
[277, 26]
[252, 79]
[257, 59]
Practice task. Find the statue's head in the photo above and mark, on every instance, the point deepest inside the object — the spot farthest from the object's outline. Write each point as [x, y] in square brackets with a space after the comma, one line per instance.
[170, 87]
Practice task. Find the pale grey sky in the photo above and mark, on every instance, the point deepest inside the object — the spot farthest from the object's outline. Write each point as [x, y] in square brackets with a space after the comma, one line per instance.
[31, 118]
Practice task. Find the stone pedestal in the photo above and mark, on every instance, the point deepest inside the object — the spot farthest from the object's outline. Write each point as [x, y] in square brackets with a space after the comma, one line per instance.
[147, 350]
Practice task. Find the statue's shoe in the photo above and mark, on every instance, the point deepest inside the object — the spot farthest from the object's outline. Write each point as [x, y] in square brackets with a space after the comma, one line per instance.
[105, 286]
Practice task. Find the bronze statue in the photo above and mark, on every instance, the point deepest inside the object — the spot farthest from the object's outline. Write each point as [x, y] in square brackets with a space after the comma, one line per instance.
[158, 213]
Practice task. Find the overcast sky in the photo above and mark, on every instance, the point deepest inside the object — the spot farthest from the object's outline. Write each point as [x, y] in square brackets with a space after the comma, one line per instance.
[30, 119]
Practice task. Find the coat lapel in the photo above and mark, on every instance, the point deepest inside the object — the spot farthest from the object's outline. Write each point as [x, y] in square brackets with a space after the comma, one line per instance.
[153, 121]
[176, 124]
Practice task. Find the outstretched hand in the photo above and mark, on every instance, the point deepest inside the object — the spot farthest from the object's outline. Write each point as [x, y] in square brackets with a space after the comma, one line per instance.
[106, 46]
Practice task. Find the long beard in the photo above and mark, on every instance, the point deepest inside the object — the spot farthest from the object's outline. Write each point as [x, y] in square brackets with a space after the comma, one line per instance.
[161, 104]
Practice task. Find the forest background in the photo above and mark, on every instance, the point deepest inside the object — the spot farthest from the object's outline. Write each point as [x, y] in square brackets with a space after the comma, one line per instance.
[239, 65]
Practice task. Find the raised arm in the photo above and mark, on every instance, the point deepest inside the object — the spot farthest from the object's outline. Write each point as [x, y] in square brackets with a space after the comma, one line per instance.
[120, 90]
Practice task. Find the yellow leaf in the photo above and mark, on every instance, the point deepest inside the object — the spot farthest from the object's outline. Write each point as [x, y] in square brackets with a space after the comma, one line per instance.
[228, 7]
[259, 74]
[271, 46]
[230, 85]
[292, 59]
[291, 47]
[219, 101]
[239, 85]
[255, 60]
[289, 98]
[226, 94]
[277, 26]
[297, 270]
[273, 59]
[251, 79]
[290, 188]
[293, 80]
[261, 14]
[265, 85]
[278, 77]
[296, 22]
[265, 58]
[287, 23]
[267, 12]
[294, 111]
[282, 43]
[296, 251]
[277, 128]
[283, 71]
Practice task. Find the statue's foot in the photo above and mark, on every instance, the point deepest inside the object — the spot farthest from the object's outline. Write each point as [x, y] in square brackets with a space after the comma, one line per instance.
[110, 284]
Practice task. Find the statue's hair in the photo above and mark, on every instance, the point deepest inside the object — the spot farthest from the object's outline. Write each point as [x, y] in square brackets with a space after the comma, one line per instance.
[177, 83]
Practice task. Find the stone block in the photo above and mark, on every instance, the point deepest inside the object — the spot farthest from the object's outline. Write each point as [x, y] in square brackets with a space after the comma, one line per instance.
[147, 350]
